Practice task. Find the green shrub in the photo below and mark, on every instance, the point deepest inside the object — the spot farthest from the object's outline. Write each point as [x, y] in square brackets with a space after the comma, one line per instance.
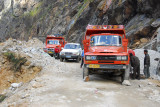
[2, 97]
[17, 62]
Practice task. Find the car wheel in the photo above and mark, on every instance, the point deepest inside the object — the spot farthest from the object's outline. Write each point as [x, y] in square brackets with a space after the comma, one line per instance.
[61, 59]
[66, 59]
[78, 59]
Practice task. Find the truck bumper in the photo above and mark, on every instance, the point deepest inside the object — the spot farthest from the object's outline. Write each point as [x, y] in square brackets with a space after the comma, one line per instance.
[69, 57]
[105, 66]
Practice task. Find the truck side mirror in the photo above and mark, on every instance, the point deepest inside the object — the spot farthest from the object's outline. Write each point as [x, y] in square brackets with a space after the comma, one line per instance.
[86, 42]
[125, 42]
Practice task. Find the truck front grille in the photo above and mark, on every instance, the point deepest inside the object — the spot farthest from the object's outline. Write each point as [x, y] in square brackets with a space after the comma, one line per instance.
[111, 58]
[110, 62]
[50, 49]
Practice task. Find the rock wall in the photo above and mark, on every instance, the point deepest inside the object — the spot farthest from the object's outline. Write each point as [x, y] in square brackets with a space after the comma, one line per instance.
[22, 19]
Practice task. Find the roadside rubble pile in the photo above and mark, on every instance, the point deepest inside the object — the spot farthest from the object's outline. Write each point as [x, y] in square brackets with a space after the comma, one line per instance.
[21, 61]
[153, 63]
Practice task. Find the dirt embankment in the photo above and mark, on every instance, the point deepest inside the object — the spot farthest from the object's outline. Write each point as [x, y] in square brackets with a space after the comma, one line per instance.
[20, 61]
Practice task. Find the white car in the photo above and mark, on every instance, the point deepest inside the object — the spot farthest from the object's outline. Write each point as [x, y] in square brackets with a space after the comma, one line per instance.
[71, 51]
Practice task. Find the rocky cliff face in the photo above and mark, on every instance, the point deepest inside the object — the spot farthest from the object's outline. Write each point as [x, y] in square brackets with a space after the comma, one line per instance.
[22, 19]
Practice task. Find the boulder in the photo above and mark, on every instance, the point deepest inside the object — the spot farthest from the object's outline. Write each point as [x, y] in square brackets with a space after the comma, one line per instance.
[37, 69]
[156, 23]
[137, 43]
[37, 85]
[144, 40]
[126, 83]
[16, 85]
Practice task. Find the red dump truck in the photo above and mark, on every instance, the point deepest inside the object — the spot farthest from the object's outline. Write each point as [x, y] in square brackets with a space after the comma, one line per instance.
[105, 51]
[54, 44]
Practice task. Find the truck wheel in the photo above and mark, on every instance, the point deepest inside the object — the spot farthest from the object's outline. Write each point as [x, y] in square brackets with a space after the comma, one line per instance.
[61, 59]
[122, 76]
[51, 55]
[85, 72]
[126, 73]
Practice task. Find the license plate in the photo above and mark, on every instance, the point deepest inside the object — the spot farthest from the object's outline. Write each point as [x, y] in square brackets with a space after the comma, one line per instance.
[94, 66]
[68, 56]
[50, 52]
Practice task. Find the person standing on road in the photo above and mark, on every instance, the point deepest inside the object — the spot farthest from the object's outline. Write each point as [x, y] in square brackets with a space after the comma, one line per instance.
[82, 61]
[133, 53]
[146, 64]
[135, 63]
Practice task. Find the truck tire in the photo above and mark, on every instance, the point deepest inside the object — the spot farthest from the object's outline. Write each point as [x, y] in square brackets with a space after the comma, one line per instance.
[122, 76]
[85, 72]
[61, 59]
[51, 55]
[126, 73]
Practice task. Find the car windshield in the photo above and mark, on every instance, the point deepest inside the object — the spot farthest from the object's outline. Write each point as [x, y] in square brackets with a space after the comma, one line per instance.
[56, 42]
[71, 46]
[106, 40]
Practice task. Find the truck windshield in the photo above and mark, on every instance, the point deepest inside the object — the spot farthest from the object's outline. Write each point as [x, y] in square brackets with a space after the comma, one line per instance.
[70, 46]
[56, 42]
[106, 40]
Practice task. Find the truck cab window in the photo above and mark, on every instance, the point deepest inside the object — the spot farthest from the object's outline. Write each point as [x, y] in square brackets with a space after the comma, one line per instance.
[106, 40]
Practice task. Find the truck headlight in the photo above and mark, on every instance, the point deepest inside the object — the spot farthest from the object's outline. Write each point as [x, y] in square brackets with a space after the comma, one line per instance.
[91, 57]
[119, 58]
[122, 58]
[88, 57]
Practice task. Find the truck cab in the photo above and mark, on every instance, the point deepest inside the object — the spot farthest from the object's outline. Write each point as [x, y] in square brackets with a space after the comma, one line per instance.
[105, 51]
[54, 44]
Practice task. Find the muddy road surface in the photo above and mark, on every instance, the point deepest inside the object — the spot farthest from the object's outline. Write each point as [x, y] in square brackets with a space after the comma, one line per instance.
[63, 86]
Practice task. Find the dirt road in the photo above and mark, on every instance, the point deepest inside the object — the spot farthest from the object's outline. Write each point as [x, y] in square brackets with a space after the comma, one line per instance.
[63, 86]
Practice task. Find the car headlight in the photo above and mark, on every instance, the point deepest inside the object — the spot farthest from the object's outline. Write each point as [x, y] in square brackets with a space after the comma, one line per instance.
[121, 58]
[76, 53]
[91, 57]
